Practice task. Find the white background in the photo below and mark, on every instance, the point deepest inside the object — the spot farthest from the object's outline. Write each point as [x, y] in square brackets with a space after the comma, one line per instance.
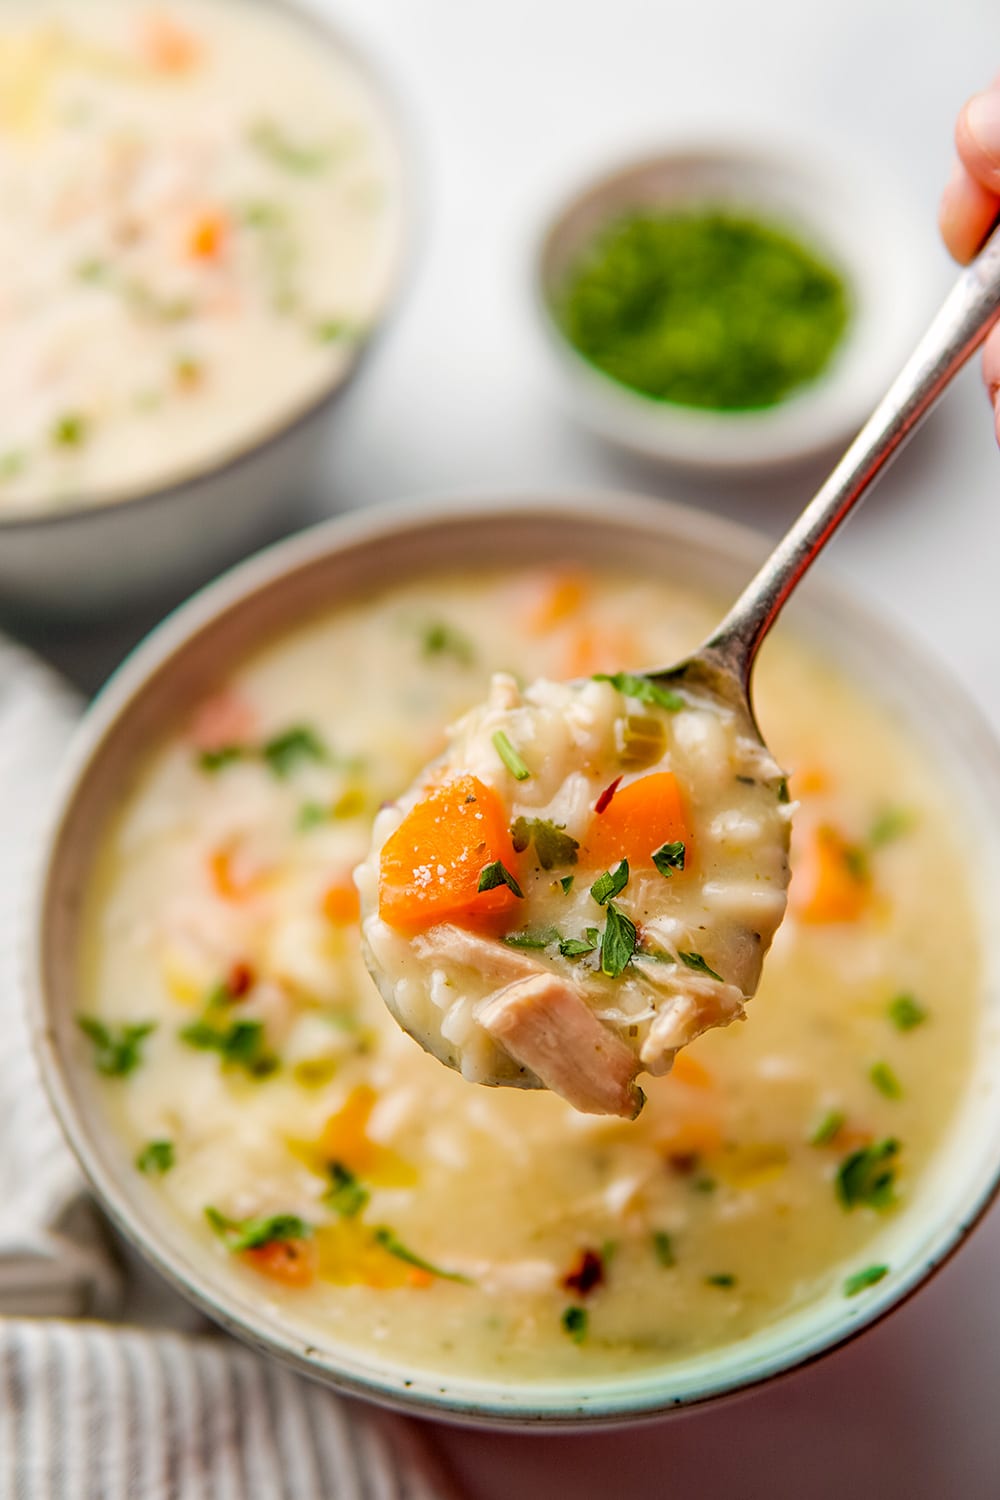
[508, 105]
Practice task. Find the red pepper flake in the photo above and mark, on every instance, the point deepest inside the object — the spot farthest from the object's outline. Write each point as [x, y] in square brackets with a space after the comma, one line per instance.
[240, 981]
[604, 800]
[586, 1275]
[683, 1163]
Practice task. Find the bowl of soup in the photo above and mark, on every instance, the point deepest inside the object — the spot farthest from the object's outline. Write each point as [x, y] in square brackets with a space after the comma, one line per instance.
[252, 1118]
[203, 218]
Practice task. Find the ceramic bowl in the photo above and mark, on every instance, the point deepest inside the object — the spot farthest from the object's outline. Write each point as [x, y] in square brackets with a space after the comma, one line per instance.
[858, 225]
[339, 561]
[100, 556]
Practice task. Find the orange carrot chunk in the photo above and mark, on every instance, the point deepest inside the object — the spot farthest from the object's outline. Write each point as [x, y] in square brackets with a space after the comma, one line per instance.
[831, 881]
[638, 820]
[292, 1262]
[166, 45]
[431, 865]
[207, 236]
[341, 903]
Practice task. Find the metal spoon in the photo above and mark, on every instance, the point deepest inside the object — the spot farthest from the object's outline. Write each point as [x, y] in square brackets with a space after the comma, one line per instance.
[723, 664]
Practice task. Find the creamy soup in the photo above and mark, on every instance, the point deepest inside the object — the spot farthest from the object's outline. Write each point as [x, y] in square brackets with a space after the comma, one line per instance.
[587, 880]
[198, 220]
[347, 1180]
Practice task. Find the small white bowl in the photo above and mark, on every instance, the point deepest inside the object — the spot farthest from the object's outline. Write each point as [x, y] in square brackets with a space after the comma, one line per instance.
[856, 224]
[342, 561]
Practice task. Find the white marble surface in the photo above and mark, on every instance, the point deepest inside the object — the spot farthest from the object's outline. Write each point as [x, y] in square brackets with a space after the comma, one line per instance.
[508, 104]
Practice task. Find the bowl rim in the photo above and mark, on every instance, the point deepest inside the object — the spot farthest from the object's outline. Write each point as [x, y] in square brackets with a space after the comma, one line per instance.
[394, 117]
[156, 654]
[689, 437]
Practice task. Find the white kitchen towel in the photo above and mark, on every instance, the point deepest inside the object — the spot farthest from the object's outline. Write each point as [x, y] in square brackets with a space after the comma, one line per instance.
[94, 1411]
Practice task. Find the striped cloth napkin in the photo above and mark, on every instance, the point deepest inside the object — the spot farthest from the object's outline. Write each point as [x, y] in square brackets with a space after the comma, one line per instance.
[95, 1410]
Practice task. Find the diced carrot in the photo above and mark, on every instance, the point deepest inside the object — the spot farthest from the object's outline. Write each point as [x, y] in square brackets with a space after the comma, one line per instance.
[341, 903]
[641, 816]
[166, 45]
[694, 1133]
[207, 236]
[293, 1262]
[808, 780]
[830, 881]
[561, 595]
[688, 1069]
[222, 720]
[600, 649]
[431, 865]
[350, 1256]
[345, 1139]
[227, 882]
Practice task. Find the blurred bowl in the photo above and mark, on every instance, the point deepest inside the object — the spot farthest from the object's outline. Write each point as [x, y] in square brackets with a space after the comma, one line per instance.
[100, 556]
[343, 561]
[856, 225]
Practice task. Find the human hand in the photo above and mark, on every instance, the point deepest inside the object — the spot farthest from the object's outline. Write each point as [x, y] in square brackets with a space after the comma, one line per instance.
[970, 203]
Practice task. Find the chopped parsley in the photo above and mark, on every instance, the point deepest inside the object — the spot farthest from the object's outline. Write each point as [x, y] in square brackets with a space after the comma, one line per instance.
[533, 938]
[496, 873]
[783, 793]
[619, 943]
[567, 884]
[242, 1044]
[885, 1080]
[867, 1177]
[723, 1279]
[553, 845]
[311, 815]
[156, 1158]
[670, 857]
[391, 1243]
[574, 1322]
[905, 1012]
[345, 1194]
[663, 1248]
[438, 638]
[890, 824]
[828, 1128]
[117, 1049]
[11, 464]
[336, 330]
[696, 962]
[218, 759]
[286, 751]
[577, 947]
[254, 1233]
[642, 689]
[610, 884]
[69, 430]
[510, 757]
[862, 1280]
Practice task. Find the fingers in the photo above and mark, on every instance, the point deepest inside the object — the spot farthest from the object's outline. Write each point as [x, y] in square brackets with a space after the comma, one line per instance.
[971, 201]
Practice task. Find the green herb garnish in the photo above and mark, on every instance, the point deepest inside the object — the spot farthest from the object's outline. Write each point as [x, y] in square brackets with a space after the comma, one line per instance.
[567, 884]
[345, 1194]
[533, 938]
[225, 755]
[828, 1127]
[510, 757]
[669, 857]
[438, 638]
[885, 1080]
[292, 156]
[391, 1243]
[783, 793]
[336, 331]
[891, 823]
[156, 1158]
[696, 962]
[553, 845]
[642, 689]
[11, 464]
[69, 430]
[905, 1012]
[576, 947]
[862, 1280]
[311, 815]
[610, 884]
[496, 873]
[619, 942]
[242, 1044]
[117, 1049]
[574, 1322]
[286, 751]
[254, 1233]
[867, 1177]
[721, 1279]
[663, 1248]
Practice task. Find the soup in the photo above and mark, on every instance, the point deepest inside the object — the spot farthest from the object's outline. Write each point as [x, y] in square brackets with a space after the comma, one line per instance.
[209, 191]
[376, 1199]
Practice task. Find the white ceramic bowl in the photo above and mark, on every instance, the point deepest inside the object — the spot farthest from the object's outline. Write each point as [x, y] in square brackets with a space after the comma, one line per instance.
[346, 558]
[99, 556]
[859, 226]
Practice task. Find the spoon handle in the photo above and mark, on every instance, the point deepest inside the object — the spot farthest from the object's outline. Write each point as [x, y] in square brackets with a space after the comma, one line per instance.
[961, 325]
